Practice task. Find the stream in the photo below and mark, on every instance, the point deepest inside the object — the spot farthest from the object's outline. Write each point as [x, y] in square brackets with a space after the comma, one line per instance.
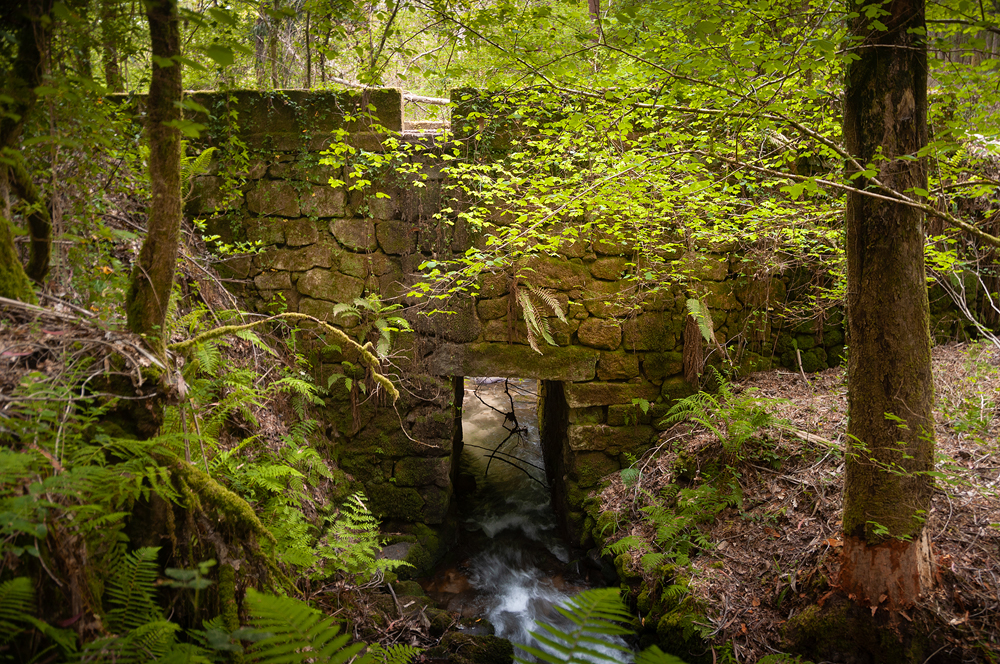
[511, 565]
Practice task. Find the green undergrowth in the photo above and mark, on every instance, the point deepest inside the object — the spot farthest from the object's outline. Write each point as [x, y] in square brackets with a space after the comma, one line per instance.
[135, 524]
[654, 534]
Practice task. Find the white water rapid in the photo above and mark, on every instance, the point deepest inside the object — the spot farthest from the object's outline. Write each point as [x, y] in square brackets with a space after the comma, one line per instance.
[512, 567]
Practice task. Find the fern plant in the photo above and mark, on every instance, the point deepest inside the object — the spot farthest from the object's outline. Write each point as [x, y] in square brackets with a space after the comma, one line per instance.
[536, 323]
[295, 632]
[733, 417]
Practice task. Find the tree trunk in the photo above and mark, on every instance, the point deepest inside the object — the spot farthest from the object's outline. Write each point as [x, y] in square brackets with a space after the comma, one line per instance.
[886, 558]
[153, 275]
[28, 22]
[110, 45]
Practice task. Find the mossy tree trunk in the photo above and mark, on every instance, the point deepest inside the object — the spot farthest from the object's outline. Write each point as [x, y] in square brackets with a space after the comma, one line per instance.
[887, 489]
[153, 274]
[28, 22]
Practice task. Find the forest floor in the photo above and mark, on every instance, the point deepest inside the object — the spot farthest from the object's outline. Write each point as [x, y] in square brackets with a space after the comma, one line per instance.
[776, 552]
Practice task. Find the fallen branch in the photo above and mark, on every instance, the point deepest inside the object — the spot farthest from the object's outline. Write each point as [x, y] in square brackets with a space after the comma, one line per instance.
[367, 357]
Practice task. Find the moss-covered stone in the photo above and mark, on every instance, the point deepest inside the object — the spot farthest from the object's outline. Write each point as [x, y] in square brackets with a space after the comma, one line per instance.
[697, 266]
[323, 202]
[396, 237]
[492, 309]
[649, 332]
[678, 634]
[603, 299]
[618, 365]
[627, 414]
[355, 234]
[591, 415]
[609, 269]
[321, 284]
[613, 440]
[841, 631]
[600, 333]
[301, 232]
[274, 198]
[588, 468]
[496, 359]
[552, 272]
[659, 366]
[388, 501]
[583, 395]
[458, 648]
[675, 388]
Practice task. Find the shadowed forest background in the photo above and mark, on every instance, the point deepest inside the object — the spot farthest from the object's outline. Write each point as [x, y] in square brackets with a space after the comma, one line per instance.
[252, 256]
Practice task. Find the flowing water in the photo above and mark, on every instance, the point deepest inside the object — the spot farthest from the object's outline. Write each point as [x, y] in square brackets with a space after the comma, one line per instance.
[511, 566]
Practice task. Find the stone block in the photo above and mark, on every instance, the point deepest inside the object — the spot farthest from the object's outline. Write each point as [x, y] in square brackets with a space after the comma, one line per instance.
[493, 285]
[492, 309]
[604, 299]
[207, 197]
[496, 359]
[382, 205]
[364, 265]
[266, 230]
[388, 501]
[300, 232]
[611, 244]
[618, 366]
[309, 172]
[436, 502]
[675, 388]
[589, 468]
[659, 366]
[620, 415]
[396, 237]
[600, 333]
[582, 395]
[649, 331]
[274, 198]
[323, 284]
[273, 280]
[323, 202]
[459, 324]
[609, 269]
[591, 415]
[420, 471]
[718, 295]
[321, 254]
[323, 310]
[554, 273]
[355, 234]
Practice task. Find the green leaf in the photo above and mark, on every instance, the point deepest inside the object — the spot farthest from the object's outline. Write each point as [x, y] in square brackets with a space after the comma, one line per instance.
[223, 55]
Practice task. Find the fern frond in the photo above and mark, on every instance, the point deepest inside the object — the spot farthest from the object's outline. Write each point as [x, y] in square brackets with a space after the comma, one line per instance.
[700, 312]
[549, 299]
[251, 336]
[17, 601]
[625, 544]
[399, 653]
[596, 616]
[130, 591]
[530, 319]
[297, 632]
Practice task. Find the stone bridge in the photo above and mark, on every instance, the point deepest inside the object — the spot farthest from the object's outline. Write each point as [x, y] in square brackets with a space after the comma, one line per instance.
[322, 245]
